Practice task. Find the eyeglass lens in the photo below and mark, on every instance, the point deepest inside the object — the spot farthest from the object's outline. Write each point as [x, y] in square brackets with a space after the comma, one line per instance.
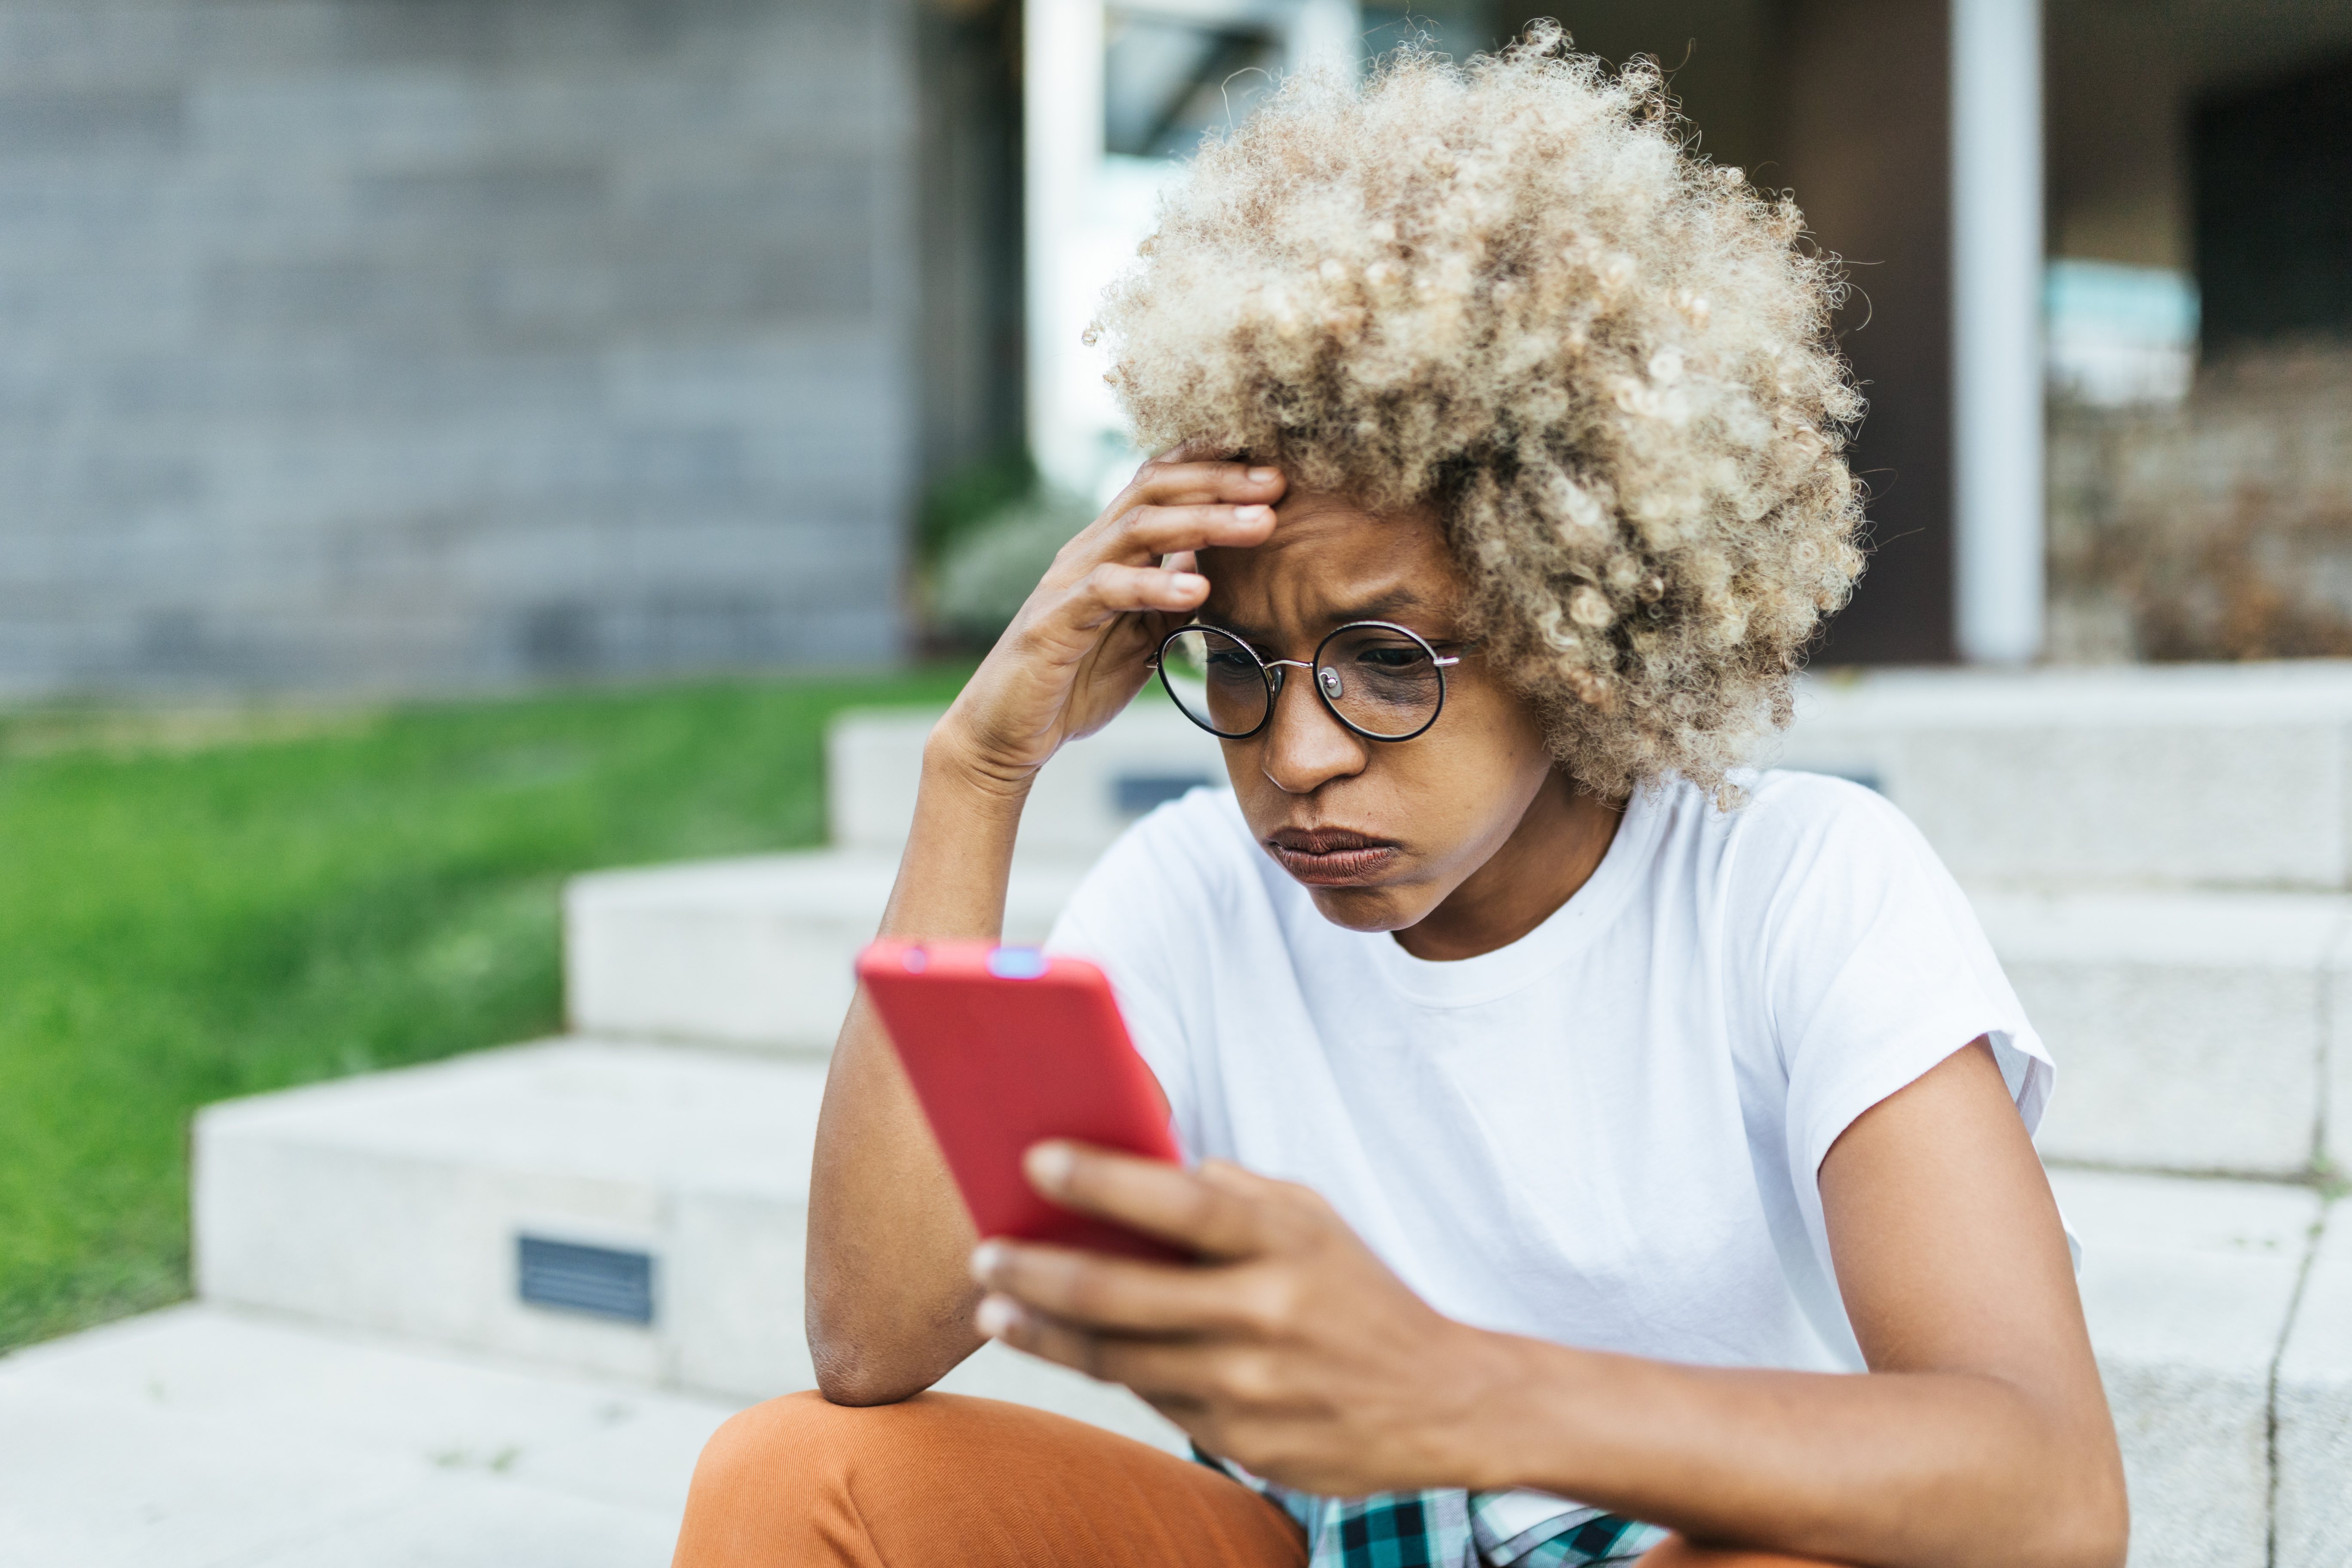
[1381, 681]
[1219, 683]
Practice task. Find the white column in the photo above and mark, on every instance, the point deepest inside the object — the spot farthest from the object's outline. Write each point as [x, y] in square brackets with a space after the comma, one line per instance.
[1997, 260]
[1062, 104]
[1327, 33]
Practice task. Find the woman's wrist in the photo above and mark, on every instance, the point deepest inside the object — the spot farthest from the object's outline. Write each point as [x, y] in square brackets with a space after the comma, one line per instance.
[956, 763]
[1523, 1396]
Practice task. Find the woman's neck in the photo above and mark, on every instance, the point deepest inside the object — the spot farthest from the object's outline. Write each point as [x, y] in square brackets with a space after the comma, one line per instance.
[1558, 843]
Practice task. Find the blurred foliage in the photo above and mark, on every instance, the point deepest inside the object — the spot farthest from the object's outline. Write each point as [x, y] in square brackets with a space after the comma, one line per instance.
[967, 498]
[985, 536]
[2219, 527]
[982, 579]
[199, 906]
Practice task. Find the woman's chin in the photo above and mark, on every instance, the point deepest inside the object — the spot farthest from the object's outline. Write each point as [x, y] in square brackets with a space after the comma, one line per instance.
[1368, 909]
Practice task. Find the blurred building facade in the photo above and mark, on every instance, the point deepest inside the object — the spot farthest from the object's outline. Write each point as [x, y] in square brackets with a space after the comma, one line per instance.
[1848, 101]
[420, 344]
[413, 345]
[2200, 414]
[2100, 252]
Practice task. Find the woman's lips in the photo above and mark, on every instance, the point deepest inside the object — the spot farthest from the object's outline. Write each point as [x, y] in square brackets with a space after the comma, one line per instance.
[1331, 857]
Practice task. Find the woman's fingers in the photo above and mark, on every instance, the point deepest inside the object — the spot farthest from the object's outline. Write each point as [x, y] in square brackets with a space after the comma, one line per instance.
[1080, 646]
[1162, 1370]
[1111, 589]
[1214, 1218]
[1098, 1291]
[1002, 1318]
[1157, 530]
[1138, 556]
[1178, 483]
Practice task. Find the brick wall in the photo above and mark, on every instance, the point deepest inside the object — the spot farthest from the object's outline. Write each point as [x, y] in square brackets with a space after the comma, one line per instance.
[402, 344]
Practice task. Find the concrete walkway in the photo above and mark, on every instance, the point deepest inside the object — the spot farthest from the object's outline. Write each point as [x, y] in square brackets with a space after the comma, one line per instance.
[205, 1438]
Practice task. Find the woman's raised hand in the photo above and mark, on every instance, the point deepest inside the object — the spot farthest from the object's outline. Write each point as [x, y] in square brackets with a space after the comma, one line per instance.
[1078, 650]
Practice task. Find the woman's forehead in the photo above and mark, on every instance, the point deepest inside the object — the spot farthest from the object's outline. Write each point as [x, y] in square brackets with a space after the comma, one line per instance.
[1328, 561]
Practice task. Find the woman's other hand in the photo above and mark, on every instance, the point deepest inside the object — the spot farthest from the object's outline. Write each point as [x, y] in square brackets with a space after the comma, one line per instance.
[1078, 650]
[1288, 1348]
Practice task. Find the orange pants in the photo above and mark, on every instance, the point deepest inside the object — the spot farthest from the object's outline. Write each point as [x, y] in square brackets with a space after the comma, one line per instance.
[944, 1481]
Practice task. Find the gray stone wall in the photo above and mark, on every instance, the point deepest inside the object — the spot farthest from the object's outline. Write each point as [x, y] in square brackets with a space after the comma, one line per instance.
[413, 344]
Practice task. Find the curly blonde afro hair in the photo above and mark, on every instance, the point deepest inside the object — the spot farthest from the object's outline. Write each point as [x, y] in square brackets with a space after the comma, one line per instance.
[1507, 290]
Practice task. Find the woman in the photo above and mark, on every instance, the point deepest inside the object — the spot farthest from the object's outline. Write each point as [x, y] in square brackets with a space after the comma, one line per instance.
[1578, 1117]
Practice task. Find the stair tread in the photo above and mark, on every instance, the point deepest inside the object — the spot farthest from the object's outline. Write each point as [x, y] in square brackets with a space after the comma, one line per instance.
[2188, 1285]
[612, 1110]
[677, 1115]
[203, 1435]
[2184, 696]
[808, 881]
[2281, 928]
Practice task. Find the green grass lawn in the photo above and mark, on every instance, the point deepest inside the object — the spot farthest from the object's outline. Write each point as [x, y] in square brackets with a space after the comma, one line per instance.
[195, 908]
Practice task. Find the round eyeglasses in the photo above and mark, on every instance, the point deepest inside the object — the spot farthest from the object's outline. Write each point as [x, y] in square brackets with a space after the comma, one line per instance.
[1381, 681]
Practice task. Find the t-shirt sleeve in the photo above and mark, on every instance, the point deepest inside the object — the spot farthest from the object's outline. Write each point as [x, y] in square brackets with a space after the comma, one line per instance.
[1139, 914]
[1872, 968]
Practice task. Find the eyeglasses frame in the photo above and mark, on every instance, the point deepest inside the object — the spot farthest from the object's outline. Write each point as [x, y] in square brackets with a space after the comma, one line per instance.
[1271, 671]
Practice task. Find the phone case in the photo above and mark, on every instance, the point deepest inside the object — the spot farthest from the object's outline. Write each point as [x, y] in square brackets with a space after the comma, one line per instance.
[1005, 1047]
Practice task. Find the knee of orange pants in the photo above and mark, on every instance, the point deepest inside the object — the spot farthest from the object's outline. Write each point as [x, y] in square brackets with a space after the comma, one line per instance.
[771, 1479]
[757, 1447]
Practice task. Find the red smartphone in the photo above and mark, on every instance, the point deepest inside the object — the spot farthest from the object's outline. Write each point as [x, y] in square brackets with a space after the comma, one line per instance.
[1006, 1048]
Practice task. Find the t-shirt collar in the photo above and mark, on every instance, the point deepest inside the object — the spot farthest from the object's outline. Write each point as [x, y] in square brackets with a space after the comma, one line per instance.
[1568, 930]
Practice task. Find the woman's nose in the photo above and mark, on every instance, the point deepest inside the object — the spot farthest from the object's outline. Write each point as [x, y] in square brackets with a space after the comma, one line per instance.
[1305, 746]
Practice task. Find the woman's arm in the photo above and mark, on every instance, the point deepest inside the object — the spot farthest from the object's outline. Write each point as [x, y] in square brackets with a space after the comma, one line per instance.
[1981, 1435]
[890, 1291]
[889, 1305]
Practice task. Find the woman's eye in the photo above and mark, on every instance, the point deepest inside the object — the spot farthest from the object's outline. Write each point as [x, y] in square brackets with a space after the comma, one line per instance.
[1402, 657]
[1229, 662]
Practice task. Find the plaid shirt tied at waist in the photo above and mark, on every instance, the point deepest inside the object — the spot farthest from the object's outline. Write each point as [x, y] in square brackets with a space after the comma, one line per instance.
[1451, 1528]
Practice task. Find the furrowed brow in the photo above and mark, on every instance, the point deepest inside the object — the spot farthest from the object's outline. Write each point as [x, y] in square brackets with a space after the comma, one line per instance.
[1385, 606]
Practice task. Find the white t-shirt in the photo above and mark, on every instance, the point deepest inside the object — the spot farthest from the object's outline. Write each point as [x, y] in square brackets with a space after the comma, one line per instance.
[1607, 1134]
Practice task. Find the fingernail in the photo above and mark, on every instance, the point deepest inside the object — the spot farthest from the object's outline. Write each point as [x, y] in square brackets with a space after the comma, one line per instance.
[1186, 581]
[986, 1260]
[1252, 513]
[1262, 476]
[1050, 1165]
[996, 1317]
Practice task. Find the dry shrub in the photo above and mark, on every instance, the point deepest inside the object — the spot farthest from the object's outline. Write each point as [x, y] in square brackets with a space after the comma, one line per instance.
[2221, 529]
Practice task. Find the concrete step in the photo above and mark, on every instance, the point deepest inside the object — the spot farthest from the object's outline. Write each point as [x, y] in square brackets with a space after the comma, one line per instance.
[753, 952]
[2194, 1032]
[650, 1201]
[2198, 1032]
[203, 1437]
[2184, 775]
[2313, 1408]
[397, 1203]
[2191, 1289]
[756, 951]
[1081, 801]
